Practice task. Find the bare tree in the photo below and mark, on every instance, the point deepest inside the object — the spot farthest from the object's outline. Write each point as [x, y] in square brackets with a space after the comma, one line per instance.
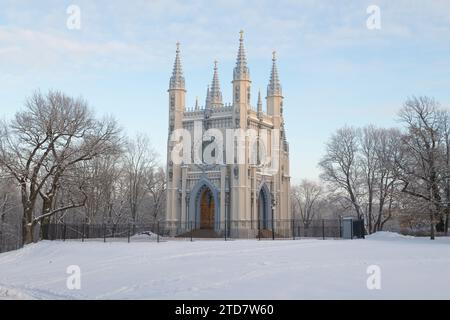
[156, 188]
[422, 167]
[42, 143]
[105, 174]
[360, 170]
[307, 198]
[9, 213]
[376, 157]
[446, 137]
[369, 163]
[139, 159]
[127, 187]
[340, 166]
[387, 149]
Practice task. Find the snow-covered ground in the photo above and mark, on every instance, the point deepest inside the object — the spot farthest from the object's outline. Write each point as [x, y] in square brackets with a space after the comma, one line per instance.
[411, 268]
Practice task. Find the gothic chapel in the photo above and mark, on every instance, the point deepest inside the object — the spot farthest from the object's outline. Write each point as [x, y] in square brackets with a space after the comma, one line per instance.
[240, 198]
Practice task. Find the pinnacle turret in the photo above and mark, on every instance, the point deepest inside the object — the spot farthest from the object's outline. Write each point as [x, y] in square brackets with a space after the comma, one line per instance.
[259, 104]
[177, 78]
[274, 87]
[241, 71]
[215, 93]
[208, 98]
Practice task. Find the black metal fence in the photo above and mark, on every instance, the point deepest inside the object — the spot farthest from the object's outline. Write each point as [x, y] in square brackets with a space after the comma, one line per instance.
[358, 229]
[227, 230]
[10, 238]
[8, 243]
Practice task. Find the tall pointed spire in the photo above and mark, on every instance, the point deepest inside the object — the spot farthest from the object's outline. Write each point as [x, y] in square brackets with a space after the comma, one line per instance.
[177, 79]
[274, 87]
[215, 93]
[259, 104]
[196, 104]
[241, 71]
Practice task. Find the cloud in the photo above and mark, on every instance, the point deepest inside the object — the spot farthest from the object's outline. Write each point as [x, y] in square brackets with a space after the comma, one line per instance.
[31, 50]
[144, 32]
[329, 61]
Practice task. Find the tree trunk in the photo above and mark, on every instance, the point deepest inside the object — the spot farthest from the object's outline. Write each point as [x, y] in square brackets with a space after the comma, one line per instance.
[28, 233]
[46, 208]
[27, 230]
[446, 218]
[370, 226]
[432, 235]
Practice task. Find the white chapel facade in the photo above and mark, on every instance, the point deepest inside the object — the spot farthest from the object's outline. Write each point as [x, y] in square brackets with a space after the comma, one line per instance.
[238, 194]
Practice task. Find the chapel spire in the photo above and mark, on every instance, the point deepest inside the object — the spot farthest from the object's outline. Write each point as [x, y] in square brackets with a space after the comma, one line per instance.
[177, 78]
[215, 93]
[241, 71]
[259, 104]
[274, 87]
[197, 107]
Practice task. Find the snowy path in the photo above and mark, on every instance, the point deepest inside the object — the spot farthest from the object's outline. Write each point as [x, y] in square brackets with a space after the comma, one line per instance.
[242, 269]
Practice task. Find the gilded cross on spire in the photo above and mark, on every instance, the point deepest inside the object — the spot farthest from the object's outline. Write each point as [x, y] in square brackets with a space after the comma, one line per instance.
[274, 55]
[242, 34]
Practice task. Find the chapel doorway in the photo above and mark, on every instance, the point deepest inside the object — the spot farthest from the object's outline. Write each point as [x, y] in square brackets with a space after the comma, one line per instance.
[263, 209]
[207, 209]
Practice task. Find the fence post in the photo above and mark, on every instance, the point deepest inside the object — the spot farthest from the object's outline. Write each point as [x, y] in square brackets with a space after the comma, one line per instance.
[64, 232]
[363, 228]
[351, 238]
[323, 229]
[129, 226]
[82, 232]
[104, 232]
[259, 229]
[157, 232]
[273, 227]
[340, 228]
[190, 223]
[225, 233]
[293, 229]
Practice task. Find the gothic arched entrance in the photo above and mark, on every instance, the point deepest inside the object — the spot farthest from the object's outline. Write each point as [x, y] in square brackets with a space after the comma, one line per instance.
[264, 207]
[204, 204]
[207, 209]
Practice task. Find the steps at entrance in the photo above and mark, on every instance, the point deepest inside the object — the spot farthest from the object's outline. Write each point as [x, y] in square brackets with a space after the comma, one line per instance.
[200, 233]
[266, 233]
[211, 233]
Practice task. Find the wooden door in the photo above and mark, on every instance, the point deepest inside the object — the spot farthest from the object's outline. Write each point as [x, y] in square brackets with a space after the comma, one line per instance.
[207, 210]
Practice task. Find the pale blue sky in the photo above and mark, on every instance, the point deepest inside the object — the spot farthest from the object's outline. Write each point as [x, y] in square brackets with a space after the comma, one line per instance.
[334, 71]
